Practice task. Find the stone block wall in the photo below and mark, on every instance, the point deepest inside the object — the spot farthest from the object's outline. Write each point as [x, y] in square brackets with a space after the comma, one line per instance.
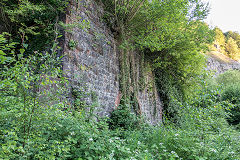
[148, 99]
[91, 59]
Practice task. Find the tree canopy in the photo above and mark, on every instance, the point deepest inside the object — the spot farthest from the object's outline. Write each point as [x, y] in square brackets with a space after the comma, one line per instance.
[228, 42]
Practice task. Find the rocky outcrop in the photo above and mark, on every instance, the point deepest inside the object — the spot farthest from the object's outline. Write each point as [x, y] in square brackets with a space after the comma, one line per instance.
[219, 63]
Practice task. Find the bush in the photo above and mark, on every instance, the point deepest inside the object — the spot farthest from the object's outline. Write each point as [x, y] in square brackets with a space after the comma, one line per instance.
[54, 132]
[123, 118]
[231, 93]
[230, 82]
[229, 77]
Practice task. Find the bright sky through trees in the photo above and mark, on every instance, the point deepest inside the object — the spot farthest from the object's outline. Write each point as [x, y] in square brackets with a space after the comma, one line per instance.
[225, 14]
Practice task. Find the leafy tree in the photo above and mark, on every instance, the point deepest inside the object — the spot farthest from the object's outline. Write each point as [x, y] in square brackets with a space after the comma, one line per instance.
[171, 34]
[234, 35]
[173, 38]
[219, 38]
[232, 48]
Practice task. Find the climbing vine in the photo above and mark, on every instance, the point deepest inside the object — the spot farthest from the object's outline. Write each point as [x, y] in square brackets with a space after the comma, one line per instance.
[172, 35]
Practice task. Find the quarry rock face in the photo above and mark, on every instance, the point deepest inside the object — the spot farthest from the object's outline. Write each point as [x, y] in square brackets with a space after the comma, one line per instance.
[220, 64]
[91, 62]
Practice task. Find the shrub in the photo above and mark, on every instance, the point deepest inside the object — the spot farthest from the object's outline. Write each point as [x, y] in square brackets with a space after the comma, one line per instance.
[230, 82]
[123, 118]
[229, 77]
[231, 93]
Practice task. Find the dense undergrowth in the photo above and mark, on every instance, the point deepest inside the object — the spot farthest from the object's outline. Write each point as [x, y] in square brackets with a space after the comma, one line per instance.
[32, 23]
[201, 118]
[34, 129]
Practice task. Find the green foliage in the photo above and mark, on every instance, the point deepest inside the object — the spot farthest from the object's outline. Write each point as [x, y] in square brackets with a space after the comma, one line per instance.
[120, 13]
[233, 35]
[231, 93]
[172, 35]
[219, 37]
[229, 43]
[232, 48]
[230, 82]
[32, 22]
[229, 77]
[162, 25]
[173, 38]
[6, 48]
[36, 122]
[72, 44]
[28, 87]
[123, 118]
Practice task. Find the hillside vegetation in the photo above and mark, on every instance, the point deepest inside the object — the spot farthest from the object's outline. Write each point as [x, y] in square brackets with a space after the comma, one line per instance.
[227, 43]
[201, 113]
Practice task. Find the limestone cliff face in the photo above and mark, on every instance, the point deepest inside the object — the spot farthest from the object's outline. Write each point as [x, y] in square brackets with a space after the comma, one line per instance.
[219, 63]
[91, 61]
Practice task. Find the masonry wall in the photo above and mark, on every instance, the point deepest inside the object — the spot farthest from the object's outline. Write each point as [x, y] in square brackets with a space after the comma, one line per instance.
[148, 98]
[91, 61]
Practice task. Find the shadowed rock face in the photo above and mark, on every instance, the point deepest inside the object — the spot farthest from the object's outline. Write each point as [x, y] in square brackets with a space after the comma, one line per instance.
[219, 63]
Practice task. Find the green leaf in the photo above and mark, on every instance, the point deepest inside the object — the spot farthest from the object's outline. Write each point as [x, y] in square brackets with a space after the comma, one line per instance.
[20, 56]
[22, 50]
[2, 53]
[25, 45]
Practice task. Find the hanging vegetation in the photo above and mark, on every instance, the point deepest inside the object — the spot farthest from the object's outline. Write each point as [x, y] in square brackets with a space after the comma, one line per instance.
[172, 35]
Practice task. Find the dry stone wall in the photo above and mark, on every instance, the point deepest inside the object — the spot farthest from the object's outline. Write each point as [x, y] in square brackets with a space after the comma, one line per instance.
[91, 61]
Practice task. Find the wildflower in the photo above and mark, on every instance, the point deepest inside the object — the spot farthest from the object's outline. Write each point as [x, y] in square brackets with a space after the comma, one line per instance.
[213, 150]
[176, 134]
[90, 139]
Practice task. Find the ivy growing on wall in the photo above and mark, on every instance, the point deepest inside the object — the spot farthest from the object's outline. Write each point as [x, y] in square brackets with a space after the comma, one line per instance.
[172, 35]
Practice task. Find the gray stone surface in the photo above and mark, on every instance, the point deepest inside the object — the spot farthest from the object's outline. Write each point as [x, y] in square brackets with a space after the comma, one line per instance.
[148, 98]
[219, 67]
[94, 62]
